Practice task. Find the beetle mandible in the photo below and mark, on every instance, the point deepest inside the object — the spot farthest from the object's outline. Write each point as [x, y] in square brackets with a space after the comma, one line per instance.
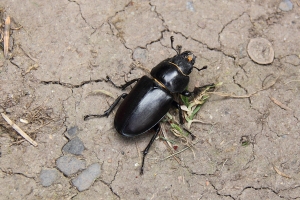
[151, 97]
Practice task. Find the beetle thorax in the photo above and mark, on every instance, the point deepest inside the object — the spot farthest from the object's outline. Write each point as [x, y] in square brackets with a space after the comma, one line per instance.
[173, 73]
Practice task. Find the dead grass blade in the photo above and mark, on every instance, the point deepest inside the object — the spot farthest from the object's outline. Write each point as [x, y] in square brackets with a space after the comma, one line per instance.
[170, 146]
[222, 94]
[281, 105]
[32, 67]
[97, 92]
[281, 173]
[178, 152]
[6, 36]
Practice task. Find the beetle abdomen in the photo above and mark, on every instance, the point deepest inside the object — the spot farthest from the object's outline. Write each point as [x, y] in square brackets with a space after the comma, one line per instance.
[143, 108]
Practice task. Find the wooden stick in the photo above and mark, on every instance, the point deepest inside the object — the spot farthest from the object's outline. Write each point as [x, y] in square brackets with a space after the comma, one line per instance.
[19, 130]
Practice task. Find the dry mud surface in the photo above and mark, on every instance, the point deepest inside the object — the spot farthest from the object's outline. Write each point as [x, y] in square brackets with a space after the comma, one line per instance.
[60, 53]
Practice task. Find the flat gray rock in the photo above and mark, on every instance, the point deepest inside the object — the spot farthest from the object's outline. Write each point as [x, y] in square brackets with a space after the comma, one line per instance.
[286, 5]
[87, 177]
[261, 51]
[72, 132]
[48, 177]
[140, 54]
[69, 165]
[74, 146]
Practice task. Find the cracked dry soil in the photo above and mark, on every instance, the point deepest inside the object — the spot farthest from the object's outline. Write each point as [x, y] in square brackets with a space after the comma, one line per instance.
[252, 150]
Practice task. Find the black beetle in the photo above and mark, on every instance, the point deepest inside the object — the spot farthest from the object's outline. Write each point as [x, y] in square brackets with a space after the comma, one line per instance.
[151, 98]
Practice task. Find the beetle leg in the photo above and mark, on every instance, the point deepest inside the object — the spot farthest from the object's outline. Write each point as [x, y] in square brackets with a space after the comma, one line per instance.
[204, 67]
[197, 90]
[108, 111]
[177, 105]
[122, 87]
[189, 132]
[145, 152]
[186, 93]
[128, 83]
[172, 41]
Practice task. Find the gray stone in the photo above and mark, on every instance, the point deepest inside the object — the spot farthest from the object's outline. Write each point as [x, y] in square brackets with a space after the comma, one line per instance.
[48, 177]
[87, 177]
[190, 6]
[140, 55]
[72, 132]
[69, 164]
[286, 5]
[74, 146]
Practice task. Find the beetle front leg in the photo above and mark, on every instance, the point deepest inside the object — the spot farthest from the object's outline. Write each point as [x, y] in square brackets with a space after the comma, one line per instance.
[108, 111]
[124, 86]
[196, 90]
[187, 93]
[177, 105]
[156, 128]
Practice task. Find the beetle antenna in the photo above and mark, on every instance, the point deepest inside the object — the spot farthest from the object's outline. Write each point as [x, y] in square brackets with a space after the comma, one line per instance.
[172, 41]
[205, 67]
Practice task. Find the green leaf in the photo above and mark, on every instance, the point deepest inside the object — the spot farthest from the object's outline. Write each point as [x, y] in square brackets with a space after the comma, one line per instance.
[185, 100]
[176, 127]
[195, 112]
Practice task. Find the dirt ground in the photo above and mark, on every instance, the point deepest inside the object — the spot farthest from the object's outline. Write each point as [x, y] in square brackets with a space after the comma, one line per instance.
[60, 53]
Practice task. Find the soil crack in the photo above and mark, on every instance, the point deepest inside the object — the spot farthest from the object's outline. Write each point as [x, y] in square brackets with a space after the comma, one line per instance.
[261, 188]
[218, 193]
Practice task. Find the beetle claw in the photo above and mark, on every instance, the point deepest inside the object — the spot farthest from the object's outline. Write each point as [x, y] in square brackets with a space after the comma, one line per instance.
[86, 117]
[106, 113]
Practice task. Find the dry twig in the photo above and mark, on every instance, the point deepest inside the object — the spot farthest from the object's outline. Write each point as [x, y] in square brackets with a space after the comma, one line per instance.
[18, 129]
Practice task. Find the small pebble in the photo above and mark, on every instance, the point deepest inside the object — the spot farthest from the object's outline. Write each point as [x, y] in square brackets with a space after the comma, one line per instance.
[69, 165]
[48, 177]
[153, 8]
[74, 146]
[84, 180]
[72, 132]
[286, 5]
[190, 6]
[261, 51]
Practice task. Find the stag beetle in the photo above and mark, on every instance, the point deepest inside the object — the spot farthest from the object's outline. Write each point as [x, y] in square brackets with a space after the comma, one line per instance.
[151, 97]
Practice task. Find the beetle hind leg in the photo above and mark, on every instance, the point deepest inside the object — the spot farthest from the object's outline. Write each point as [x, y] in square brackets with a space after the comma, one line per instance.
[145, 152]
[108, 111]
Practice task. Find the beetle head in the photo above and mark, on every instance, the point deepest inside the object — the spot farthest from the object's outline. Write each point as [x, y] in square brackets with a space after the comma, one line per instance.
[185, 61]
